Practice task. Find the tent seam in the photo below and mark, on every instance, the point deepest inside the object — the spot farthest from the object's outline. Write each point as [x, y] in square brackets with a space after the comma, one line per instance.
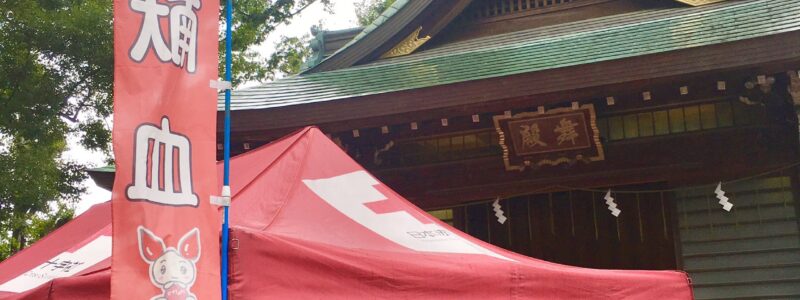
[50, 289]
[268, 167]
[294, 184]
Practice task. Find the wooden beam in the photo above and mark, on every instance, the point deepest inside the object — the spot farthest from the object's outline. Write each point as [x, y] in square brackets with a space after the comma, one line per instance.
[677, 160]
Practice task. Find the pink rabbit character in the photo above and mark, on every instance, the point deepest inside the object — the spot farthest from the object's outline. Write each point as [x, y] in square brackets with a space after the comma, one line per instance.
[173, 270]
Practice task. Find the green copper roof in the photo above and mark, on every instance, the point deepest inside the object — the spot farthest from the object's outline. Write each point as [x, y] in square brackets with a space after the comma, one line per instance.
[536, 49]
[108, 168]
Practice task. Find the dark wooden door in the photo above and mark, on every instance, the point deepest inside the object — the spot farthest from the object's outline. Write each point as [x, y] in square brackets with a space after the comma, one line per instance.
[576, 228]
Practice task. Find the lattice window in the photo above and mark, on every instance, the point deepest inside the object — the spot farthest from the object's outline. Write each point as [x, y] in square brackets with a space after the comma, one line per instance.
[679, 119]
[446, 148]
[445, 215]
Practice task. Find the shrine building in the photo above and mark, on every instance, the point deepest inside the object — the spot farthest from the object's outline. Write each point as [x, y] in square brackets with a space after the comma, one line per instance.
[546, 109]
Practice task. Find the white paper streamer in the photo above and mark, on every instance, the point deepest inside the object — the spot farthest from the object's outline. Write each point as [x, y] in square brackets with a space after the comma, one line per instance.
[498, 211]
[726, 205]
[611, 205]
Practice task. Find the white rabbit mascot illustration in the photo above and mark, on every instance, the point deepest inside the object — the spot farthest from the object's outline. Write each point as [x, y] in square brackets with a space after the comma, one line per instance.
[171, 269]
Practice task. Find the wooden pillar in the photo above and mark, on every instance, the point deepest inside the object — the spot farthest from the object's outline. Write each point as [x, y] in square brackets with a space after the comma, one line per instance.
[794, 92]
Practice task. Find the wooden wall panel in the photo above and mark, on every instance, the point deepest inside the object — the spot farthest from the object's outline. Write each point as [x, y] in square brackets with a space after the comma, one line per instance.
[582, 218]
[519, 221]
[576, 228]
[542, 227]
[477, 218]
[751, 252]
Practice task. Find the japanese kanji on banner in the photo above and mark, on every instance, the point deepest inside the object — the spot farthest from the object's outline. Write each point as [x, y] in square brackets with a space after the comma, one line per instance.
[165, 232]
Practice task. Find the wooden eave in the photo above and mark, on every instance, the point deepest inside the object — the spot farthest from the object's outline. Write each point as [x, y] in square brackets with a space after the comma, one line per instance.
[763, 55]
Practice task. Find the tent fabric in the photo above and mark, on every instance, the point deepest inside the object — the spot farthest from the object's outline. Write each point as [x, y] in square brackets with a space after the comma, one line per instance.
[94, 286]
[92, 225]
[291, 241]
[308, 222]
[279, 267]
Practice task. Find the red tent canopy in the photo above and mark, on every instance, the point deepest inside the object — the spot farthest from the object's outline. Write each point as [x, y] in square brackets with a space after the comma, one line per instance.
[77, 256]
[309, 222]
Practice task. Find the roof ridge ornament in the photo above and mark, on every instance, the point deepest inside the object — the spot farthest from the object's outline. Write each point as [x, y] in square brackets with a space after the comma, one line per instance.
[407, 45]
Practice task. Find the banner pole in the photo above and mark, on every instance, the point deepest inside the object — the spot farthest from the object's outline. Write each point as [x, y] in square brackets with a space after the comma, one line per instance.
[227, 147]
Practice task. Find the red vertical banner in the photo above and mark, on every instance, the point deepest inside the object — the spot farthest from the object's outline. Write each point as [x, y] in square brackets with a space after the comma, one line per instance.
[165, 232]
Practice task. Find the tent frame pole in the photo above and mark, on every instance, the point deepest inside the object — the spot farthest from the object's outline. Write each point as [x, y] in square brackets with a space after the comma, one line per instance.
[226, 147]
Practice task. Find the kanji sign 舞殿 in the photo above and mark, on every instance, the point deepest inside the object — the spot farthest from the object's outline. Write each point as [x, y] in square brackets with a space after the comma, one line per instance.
[557, 136]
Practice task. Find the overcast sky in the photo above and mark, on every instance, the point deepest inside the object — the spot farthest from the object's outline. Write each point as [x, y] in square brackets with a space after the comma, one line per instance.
[343, 17]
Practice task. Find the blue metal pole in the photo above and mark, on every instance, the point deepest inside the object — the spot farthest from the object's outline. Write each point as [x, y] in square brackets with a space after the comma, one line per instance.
[227, 146]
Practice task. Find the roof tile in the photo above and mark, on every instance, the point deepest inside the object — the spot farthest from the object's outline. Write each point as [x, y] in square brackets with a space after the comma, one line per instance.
[538, 49]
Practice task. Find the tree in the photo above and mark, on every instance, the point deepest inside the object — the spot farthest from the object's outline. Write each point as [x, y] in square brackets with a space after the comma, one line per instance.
[35, 178]
[56, 79]
[369, 10]
[253, 21]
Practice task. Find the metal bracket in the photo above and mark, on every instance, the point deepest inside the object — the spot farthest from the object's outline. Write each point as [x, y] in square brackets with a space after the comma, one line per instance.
[224, 199]
[220, 85]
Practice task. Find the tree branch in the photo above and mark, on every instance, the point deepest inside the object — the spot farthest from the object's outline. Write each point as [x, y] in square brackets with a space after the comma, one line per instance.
[301, 9]
[73, 117]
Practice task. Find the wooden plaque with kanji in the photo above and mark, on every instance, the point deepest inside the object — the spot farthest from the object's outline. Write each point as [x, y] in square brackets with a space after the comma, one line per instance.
[564, 135]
